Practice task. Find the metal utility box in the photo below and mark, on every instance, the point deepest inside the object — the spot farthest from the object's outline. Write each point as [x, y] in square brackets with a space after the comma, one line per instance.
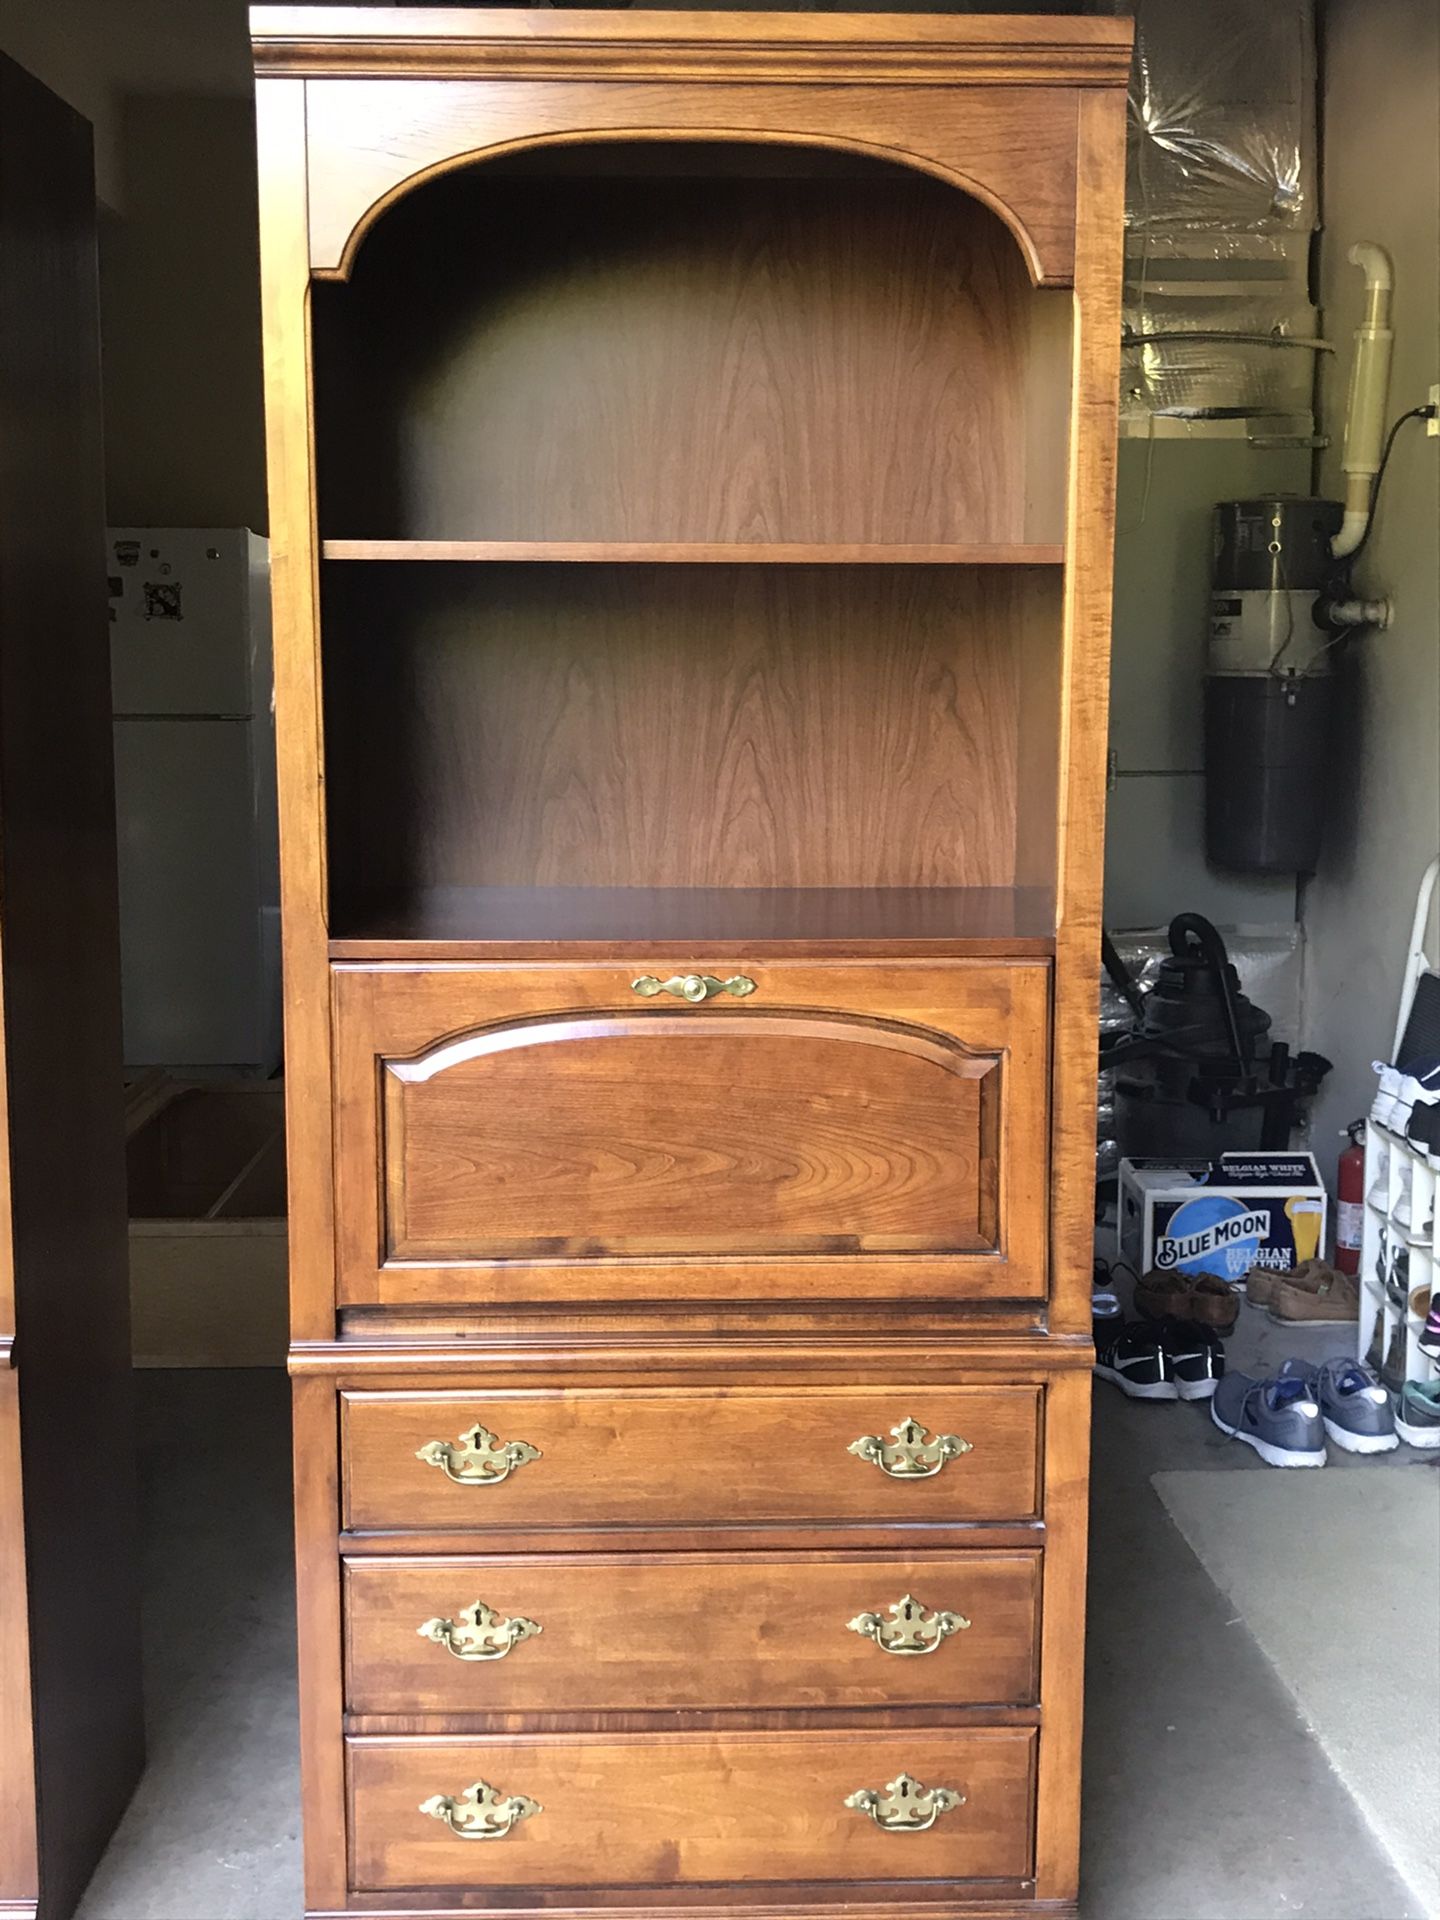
[195, 797]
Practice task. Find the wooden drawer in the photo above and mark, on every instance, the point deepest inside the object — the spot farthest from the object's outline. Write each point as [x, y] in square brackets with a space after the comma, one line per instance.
[688, 1457]
[679, 1809]
[736, 1631]
[848, 1130]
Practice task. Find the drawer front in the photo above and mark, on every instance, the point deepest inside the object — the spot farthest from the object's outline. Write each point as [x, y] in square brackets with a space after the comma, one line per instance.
[609, 1633]
[683, 1809]
[541, 1133]
[689, 1456]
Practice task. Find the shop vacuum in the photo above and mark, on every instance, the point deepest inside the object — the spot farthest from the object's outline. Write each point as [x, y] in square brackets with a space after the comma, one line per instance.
[1197, 1075]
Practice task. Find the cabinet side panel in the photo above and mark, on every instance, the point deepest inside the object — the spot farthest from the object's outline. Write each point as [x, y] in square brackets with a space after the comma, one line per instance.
[1081, 837]
[1062, 1633]
[280, 116]
[317, 1575]
[18, 1866]
[61, 993]
[1084, 699]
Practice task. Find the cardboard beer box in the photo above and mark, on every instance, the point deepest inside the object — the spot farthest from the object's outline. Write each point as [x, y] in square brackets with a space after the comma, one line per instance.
[1221, 1216]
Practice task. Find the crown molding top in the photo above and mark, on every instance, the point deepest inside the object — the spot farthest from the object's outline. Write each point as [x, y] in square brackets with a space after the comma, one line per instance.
[556, 44]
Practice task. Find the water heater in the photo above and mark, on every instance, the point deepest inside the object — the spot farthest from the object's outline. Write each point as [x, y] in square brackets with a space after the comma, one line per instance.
[1269, 685]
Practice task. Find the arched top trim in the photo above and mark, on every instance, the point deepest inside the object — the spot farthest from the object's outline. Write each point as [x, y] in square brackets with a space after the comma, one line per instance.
[605, 136]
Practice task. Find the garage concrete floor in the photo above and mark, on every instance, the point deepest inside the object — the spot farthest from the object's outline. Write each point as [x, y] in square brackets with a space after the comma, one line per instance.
[1206, 1798]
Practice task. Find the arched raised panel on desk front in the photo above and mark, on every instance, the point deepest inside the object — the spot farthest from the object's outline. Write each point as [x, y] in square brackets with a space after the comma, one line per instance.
[845, 1132]
[771, 1132]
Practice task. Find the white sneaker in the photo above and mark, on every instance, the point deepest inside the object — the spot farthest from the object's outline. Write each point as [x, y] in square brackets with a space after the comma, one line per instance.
[1401, 1216]
[1382, 1111]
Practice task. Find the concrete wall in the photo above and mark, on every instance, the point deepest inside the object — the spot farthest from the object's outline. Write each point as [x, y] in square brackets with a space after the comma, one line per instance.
[1381, 154]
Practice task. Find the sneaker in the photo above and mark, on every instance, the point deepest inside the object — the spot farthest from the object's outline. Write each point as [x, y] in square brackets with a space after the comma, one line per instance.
[1375, 1353]
[1392, 1371]
[1423, 1128]
[1379, 1195]
[1275, 1417]
[1417, 1417]
[1403, 1216]
[1133, 1359]
[1196, 1356]
[1324, 1297]
[1429, 1341]
[1395, 1276]
[1419, 1088]
[1354, 1408]
[1382, 1110]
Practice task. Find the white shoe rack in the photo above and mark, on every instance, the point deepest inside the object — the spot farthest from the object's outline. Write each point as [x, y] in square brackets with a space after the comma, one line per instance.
[1400, 1241]
[1399, 1251]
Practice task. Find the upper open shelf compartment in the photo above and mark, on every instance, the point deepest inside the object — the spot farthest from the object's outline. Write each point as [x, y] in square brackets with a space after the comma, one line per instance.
[691, 352]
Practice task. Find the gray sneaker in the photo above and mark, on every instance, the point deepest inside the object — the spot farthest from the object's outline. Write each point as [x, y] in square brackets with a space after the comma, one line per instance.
[1354, 1406]
[1417, 1418]
[1275, 1417]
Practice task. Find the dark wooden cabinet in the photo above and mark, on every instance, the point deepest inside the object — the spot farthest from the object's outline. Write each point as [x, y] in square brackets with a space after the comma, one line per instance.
[71, 1736]
[691, 446]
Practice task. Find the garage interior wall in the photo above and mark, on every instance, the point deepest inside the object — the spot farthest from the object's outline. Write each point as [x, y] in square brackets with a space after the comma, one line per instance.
[1381, 167]
[169, 91]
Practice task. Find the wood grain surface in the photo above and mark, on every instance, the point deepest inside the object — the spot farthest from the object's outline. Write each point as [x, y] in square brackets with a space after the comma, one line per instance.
[372, 142]
[846, 1132]
[497, 923]
[700, 552]
[681, 727]
[693, 1631]
[737, 439]
[685, 359]
[685, 1457]
[835, 1135]
[678, 1809]
[70, 1699]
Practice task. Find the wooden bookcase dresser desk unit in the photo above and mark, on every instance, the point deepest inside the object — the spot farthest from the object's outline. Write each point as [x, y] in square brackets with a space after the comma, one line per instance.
[691, 466]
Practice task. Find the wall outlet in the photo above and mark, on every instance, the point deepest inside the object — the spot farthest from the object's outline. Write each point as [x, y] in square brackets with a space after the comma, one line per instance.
[1432, 425]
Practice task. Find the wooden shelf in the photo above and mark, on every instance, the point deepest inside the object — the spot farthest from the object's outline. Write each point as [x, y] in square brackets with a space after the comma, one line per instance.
[699, 552]
[451, 922]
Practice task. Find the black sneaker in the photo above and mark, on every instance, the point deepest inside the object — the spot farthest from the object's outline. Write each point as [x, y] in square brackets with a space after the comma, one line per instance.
[1196, 1356]
[1134, 1359]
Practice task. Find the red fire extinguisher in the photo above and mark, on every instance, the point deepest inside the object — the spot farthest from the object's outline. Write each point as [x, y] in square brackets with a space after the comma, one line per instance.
[1350, 1192]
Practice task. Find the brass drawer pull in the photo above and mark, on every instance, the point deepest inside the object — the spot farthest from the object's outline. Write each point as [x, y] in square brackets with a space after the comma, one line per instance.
[908, 1631]
[477, 1459]
[910, 1454]
[693, 987]
[482, 1812]
[905, 1806]
[478, 1633]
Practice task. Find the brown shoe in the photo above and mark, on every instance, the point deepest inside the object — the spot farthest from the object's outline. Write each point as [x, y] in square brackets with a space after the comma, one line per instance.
[1260, 1286]
[1204, 1299]
[1261, 1282]
[1315, 1296]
